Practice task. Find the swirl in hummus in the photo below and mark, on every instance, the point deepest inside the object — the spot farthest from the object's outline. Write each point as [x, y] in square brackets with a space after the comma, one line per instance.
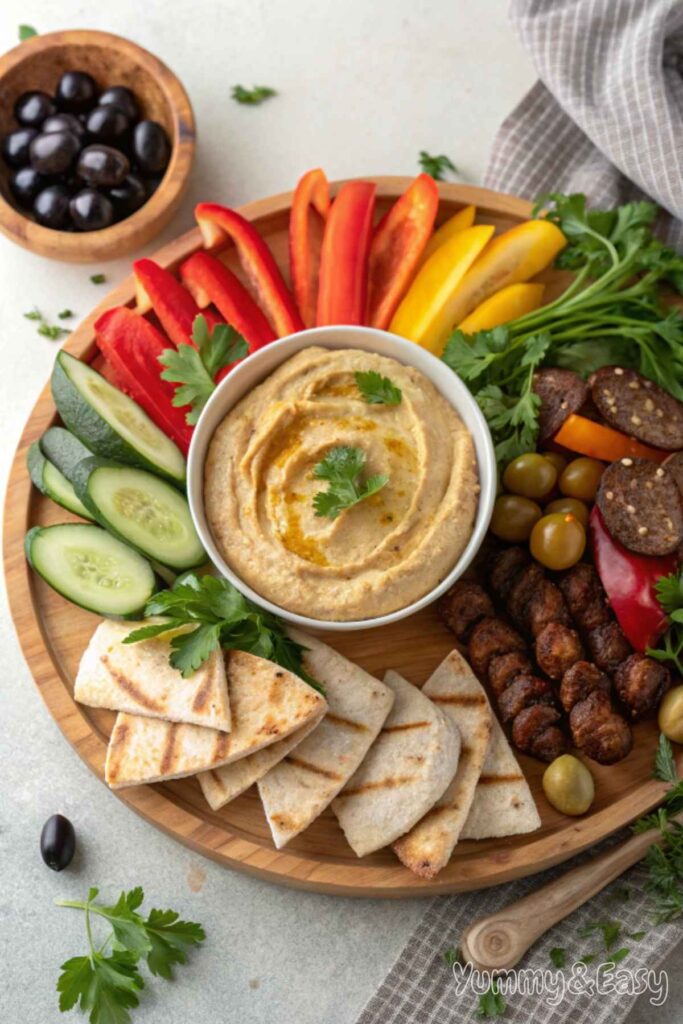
[377, 556]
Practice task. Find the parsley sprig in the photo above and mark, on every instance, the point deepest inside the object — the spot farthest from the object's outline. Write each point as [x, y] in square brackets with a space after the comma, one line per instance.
[222, 618]
[342, 467]
[252, 97]
[194, 368]
[436, 166]
[45, 329]
[611, 312]
[665, 860]
[107, 985]
[376, 389]
[669, 590]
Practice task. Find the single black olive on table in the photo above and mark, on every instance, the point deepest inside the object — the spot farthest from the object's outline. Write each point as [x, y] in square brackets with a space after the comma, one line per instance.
[90, 210]
[32, 108]
[121, 97]
[63, 123]
[76, 91]
[15, 146]
[151, 148]
[51, 207]
[57, 842]
[107, 124]
[102, 165]
[54, 152]
[127, 197]
[25, 184]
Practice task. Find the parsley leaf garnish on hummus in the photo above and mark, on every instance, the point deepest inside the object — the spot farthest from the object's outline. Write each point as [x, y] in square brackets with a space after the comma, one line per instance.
[376, 389]
[343, 466]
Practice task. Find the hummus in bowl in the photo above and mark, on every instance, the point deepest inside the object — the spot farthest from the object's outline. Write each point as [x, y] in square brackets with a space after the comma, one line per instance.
[255, 473]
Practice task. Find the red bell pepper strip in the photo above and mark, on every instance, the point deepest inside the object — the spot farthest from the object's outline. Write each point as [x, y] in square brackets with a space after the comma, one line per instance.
[629, 582]
[397, 245]
[342, 291]
[579, 434]
[159, 290]
[219, 224]
[209, 280]
[132, 345]
[310, 207]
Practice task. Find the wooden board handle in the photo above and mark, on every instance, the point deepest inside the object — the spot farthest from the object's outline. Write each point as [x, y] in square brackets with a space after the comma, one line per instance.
[499, 941]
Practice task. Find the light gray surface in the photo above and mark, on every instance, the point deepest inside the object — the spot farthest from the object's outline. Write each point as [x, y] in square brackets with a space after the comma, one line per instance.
[364, 87]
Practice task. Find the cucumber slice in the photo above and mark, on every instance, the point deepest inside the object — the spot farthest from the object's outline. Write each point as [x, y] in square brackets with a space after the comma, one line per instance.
[141, 510]
[52, 483]
[63, 450]
[110, 423]
[90, 568]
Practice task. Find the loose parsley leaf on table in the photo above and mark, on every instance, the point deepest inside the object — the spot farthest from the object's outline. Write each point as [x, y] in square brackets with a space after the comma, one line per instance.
[65, 314]
[46, 329]
[342, 467]
[376, 389]
[451, 956]
[195, 368]
[252, 97]
[491, 1003]
[436, 166]
[222, 618]
[26, 32]
[558, 955]
[98, 278]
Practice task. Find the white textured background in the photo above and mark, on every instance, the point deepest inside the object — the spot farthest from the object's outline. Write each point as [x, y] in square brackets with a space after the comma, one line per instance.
[363, 87]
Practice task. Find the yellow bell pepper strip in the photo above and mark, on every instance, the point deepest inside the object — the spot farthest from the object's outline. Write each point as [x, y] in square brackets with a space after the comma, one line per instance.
[426, 314]
[458, 222]
[584, 436]
[503, 306]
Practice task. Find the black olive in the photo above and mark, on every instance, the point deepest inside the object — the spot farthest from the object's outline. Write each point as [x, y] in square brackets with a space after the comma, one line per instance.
[107, 124]
[25, 184]
[90, 210]
[63, 123]
[32, 108]
[76, 91]
[15, 146]
[151, 147]
[102, 165]
[51, 207]
[57, 842]
[127, 197]
[54, 152]
[121, 97]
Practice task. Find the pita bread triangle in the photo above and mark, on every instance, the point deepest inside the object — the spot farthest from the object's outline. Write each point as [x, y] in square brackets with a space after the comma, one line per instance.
[427, 848]
[139, 679]
[268, 703]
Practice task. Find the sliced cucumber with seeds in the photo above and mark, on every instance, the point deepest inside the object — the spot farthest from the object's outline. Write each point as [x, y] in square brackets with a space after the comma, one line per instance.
[63, 450]
[142, 510]
[86, 565]
[110, 423]
[52, 483]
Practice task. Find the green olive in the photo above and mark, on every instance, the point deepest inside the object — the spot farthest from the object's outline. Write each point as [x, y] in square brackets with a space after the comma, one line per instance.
[568, 785]
[531, 475]
[557, 541]
[581, 479]
[671, 714]
[569, 505]
[558, 461]
[513, 517]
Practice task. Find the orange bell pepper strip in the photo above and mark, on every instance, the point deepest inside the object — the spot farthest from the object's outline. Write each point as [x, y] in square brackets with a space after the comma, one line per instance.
[584, 436]
[397, 245]
[425, 315]
[342, 291]
[458, 222]
[210, 281]
[503, 306]
[310, 207]
[218, 224]
[158, 289]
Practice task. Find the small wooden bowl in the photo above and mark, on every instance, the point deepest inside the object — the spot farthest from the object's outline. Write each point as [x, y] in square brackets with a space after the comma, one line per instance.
[38, 63]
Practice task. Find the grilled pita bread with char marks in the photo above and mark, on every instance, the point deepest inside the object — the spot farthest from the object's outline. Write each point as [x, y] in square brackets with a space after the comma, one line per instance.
[268, 703]
[503, 804]
[298, 789]
[453, 687]
[139, 679]
[405, 772]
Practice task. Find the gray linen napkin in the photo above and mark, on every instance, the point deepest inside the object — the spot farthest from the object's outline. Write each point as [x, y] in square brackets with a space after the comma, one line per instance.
[606, 118]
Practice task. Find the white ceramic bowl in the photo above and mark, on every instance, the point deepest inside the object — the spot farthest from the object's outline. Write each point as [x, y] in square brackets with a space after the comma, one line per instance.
[260, 365]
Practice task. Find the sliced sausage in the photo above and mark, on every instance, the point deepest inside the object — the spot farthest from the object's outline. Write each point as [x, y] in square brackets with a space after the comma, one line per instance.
[546, 605]
[641, 506]
[535, 731]
[578, 681]
[641, 682]
[609, 646]
[489, 638]
[585, 596]
[522, 693]
[504, 567]
[599, 731]
[562, 392]
[504, 668]
[557, 648]
[522, 590]
[465, 604]
[638, 407]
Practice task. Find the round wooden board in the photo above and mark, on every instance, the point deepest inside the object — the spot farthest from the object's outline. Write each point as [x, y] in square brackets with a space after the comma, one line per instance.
[53, 634]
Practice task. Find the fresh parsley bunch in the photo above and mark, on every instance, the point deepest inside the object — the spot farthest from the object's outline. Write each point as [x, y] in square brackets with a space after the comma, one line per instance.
[342, 467]
[665, 861]
[669, 591]
[106, 985]
[221, 617]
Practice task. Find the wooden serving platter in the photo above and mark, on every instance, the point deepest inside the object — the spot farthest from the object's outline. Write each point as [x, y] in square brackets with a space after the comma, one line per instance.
[54, 633]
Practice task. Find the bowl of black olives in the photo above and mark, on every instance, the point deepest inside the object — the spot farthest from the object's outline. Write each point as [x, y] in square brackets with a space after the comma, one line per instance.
[97, 141]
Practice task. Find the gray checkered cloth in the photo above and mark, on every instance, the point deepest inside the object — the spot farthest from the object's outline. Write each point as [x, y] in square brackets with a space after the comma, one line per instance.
[606, 118]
